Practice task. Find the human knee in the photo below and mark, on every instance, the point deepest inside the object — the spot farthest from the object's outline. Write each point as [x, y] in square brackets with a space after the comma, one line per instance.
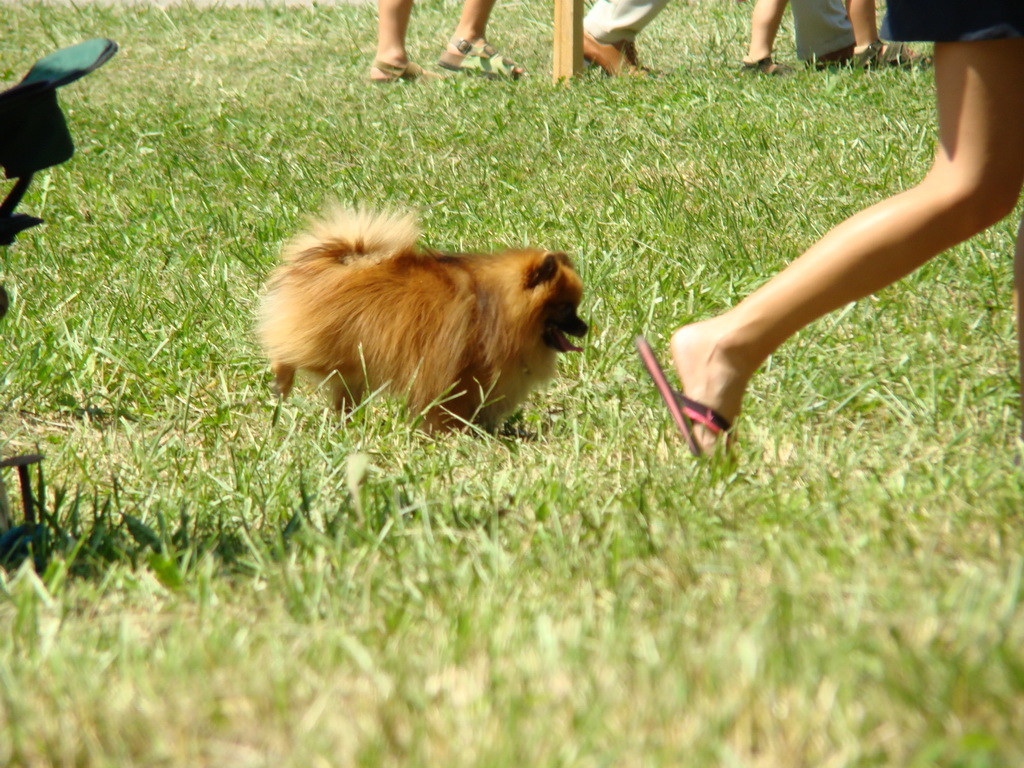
[976, 203]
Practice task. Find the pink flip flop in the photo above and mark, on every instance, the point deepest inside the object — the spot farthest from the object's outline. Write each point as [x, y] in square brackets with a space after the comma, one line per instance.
[683, 410]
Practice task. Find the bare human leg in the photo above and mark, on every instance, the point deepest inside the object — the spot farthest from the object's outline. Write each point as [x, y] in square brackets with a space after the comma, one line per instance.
[392, 25]
[974, 182]
[472, 24]
[864, 20]
[468, 49]
[869, 51]
[764, 27]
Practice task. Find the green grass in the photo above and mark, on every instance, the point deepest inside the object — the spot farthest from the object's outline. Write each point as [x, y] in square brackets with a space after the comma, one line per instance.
[238, 582]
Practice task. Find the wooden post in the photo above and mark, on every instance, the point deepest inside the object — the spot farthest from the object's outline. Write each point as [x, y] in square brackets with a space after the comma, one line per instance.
[568, 39]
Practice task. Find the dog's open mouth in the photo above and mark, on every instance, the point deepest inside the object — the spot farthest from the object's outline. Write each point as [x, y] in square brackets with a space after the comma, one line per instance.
[556, 339]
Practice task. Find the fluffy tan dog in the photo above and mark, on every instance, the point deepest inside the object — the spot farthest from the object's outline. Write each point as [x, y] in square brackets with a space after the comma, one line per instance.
[465, 337]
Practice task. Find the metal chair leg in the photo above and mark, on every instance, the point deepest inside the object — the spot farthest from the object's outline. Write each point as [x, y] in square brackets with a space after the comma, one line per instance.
[22, 463]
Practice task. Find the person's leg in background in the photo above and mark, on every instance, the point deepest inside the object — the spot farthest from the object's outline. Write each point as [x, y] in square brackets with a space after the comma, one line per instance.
[392, 61]
[764, 28]
[468, 50]
[869, 50]
[610, 30]
[823, 31]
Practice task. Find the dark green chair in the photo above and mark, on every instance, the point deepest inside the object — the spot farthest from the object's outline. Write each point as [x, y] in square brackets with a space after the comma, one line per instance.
[34, 136]
[33, 133]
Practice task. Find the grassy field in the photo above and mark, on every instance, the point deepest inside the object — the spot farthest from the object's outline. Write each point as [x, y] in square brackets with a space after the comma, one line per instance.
[235, 582]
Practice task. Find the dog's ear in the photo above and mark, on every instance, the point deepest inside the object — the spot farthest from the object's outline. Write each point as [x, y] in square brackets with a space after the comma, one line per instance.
[545, 270]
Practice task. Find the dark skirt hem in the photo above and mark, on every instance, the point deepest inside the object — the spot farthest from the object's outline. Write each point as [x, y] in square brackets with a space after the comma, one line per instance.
[951, 21]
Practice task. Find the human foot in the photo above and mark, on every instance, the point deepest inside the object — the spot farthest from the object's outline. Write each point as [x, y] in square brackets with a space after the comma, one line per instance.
[387, 72]
[618, 58]
[684, 411]
[841, 57]
[478, 58]
[766, 66]
[879, 54]
[710, 374]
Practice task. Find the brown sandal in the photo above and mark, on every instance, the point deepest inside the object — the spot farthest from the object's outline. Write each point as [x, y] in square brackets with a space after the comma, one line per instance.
[614, 58]
[767, 66]
[880, 54]
[395, 72]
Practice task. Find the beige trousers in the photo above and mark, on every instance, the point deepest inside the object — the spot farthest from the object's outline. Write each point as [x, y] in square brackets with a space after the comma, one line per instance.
[821, 26]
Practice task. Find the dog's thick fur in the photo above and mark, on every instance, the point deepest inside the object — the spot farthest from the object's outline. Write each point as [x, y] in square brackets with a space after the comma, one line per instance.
[466, 337]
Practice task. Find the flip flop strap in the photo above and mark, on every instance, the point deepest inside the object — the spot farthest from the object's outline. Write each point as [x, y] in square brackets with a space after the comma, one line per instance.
[699, 412]
[668, 395]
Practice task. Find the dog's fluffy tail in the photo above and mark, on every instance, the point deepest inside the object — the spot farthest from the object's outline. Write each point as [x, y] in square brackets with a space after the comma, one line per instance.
[348, 234]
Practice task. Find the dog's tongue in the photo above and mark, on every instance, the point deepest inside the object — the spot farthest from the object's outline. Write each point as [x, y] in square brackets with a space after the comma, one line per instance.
[564, 345]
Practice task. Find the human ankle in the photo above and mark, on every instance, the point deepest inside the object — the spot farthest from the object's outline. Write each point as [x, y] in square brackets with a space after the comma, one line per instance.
[392, 55]
[720, 345]
[467, 34]
[708, 368]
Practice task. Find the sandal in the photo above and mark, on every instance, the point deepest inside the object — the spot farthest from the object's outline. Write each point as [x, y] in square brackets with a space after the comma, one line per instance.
[395, 72]
[614, 58]
[880, 54]
[838, 58]
[479, 58]
[767, 66]
[684, 411]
